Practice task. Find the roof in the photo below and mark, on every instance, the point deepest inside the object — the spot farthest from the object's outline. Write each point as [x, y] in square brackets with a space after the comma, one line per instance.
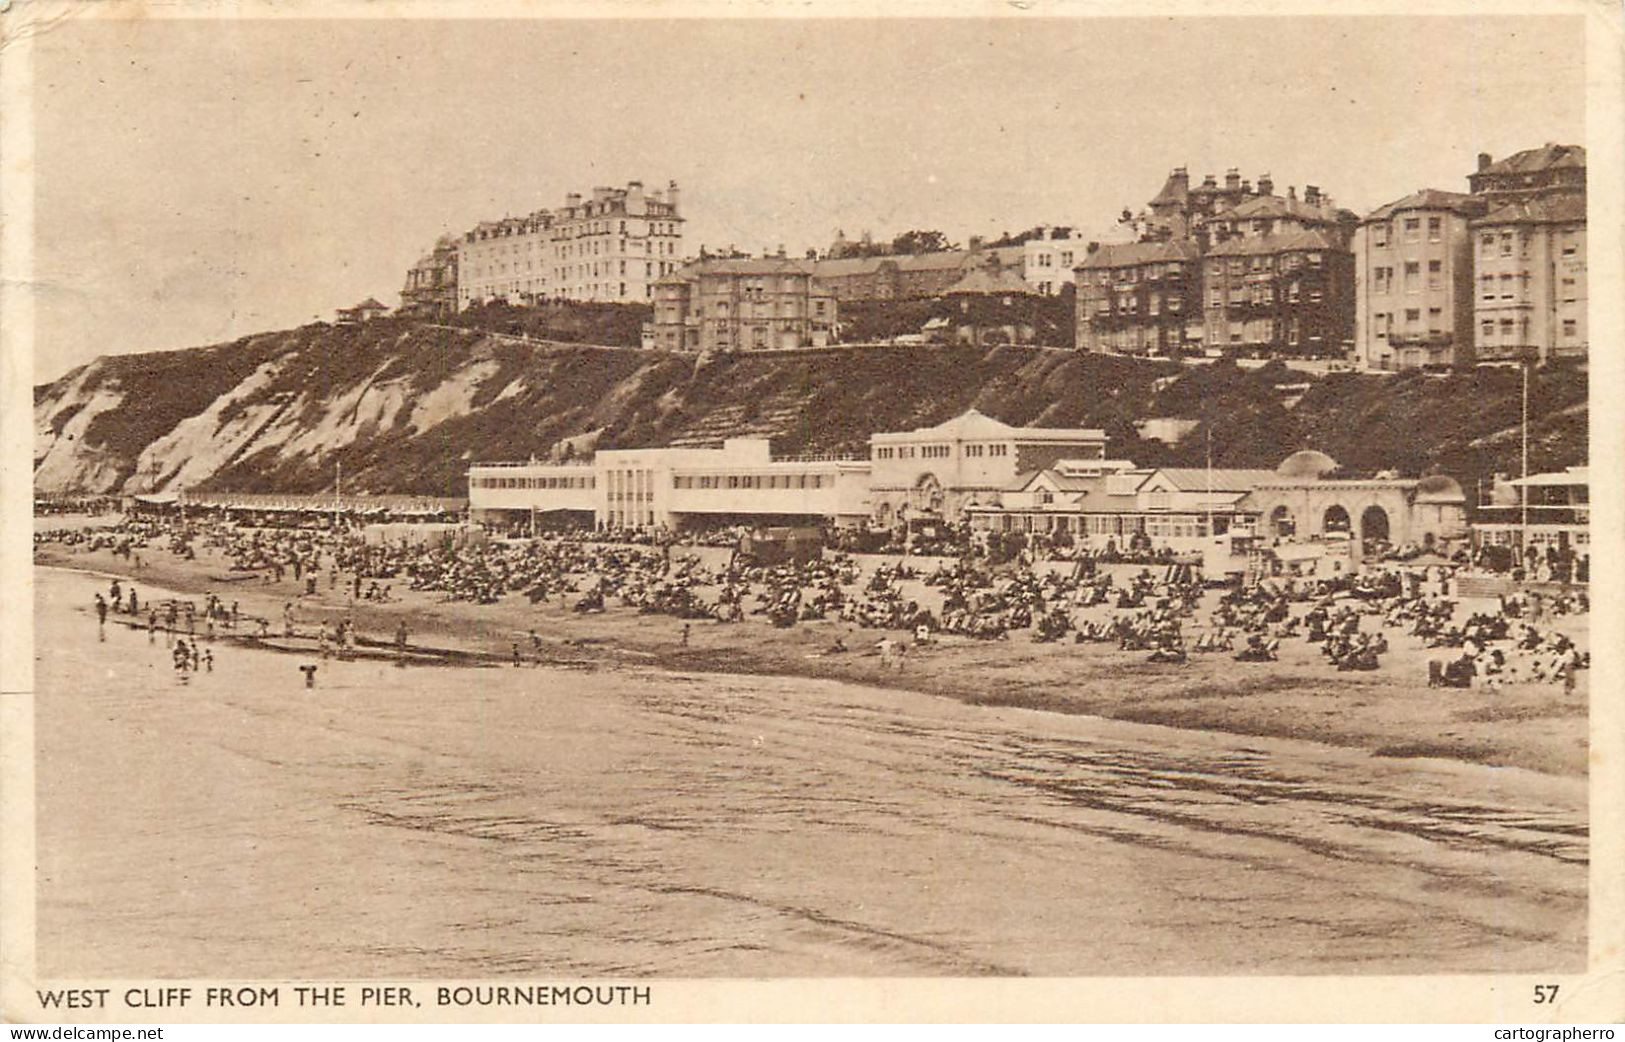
[1062, 482]
[1262, 206]
[1573, 477]
[1219, 479]
[370, 304]
[983, 281]
[974, 425]
[1429, 199]
[1559, 208]
[1547, 157]
[1175, 191]
[750, 266]
[1134, 253]
[1010, 256]
[1305, 239]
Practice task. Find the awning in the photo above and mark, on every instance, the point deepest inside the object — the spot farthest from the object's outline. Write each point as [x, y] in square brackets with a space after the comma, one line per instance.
[1577, 477]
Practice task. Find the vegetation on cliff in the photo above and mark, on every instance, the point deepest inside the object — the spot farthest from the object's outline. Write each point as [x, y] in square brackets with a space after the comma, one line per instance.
[406, 406]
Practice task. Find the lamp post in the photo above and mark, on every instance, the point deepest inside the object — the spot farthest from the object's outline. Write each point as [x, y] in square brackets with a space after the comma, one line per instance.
[1523, 486]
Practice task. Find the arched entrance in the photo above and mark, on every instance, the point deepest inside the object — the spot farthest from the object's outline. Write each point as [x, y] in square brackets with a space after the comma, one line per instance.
[1281, 523]
[928, 494]
[1374, 525]
[1336, 521]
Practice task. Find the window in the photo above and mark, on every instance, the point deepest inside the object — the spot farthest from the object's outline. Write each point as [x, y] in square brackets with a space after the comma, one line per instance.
[1506, 244]
[1570, 294]
[1571, 329]
[1506, 287]
[1570, 247]
[1379, 234]
[1487, 284]
[1435, 274]
[1379, 324]
[1435, 320]
[1413, 277]
[1413, 317]
[1382, 279]
[1413, 229]
[1487, 330]
[1435, 229]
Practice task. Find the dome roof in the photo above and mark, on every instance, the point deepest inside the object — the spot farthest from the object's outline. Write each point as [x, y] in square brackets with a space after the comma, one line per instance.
[1439, 488]
[1306, 463]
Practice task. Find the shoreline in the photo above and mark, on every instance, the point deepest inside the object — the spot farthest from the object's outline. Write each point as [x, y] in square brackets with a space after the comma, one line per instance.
[1531, 726]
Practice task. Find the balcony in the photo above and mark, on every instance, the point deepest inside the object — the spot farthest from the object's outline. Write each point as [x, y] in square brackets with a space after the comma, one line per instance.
[1420, 339]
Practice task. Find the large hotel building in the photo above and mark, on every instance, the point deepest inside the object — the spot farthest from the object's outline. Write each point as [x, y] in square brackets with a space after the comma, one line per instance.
[613, 246]
[1494, 275]
[1228, 269]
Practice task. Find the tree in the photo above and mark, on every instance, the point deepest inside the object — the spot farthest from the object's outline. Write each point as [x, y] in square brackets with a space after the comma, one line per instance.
[922, 242]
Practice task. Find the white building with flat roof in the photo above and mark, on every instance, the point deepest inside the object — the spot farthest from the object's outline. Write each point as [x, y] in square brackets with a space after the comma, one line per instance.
[674, 487]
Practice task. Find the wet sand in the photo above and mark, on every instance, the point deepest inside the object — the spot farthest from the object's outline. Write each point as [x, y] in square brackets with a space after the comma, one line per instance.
[618, 819]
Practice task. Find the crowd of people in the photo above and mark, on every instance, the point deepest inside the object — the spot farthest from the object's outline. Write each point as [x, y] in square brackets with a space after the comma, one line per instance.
[1161, 609]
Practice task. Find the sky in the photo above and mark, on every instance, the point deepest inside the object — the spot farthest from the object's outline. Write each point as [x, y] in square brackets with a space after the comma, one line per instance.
[198, 180]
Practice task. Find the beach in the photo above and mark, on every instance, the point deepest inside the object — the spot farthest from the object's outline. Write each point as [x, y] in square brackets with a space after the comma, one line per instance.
[633, 807]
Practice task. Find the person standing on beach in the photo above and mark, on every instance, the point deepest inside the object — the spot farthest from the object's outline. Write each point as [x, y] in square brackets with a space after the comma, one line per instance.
[400, 643]
[685, 634]
[152, 625]
[101, 618]
[135, 605]
[287, 619]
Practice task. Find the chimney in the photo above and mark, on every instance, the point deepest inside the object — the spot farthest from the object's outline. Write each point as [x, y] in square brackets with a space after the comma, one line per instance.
[572, 200]
[1292, 192]
[1246, 188]
[1311, 195]
[1208, 181]
[1232, 179]
[1266, 186]
[599, 194]
[1483, 161]
[634, 186]
[671, 195]
[781, 249]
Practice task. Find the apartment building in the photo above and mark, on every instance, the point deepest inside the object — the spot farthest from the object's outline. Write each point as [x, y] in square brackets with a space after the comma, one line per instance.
[742, 304]
[1280, 294]
[1414, 282]
[612, 246]
[1140, 298]
[1529, 252]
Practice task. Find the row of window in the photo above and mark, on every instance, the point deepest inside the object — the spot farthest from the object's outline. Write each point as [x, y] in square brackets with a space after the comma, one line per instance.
[1263, 295]
[1516, 331]
[1412, 230]
[975, 450]
[753, 481]
[1383, 322]
[583, 481]
[1382, 278]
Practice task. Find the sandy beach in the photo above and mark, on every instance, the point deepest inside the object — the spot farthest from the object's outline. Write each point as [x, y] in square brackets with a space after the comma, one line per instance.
[1391, 712]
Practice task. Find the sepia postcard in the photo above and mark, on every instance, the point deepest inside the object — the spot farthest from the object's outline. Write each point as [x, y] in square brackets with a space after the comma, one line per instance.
[775, 512]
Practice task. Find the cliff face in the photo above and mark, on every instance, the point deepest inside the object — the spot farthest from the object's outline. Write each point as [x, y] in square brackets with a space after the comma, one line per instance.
[405, 407]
